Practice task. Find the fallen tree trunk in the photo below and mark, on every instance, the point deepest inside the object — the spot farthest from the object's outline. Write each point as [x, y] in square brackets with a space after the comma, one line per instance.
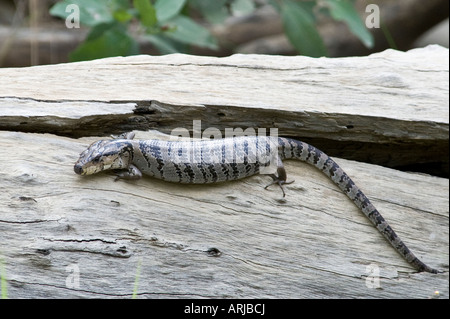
[225, 240]
[64, 235]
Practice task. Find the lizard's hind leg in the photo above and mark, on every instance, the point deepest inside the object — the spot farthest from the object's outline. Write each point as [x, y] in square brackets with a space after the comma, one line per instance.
[279, 178]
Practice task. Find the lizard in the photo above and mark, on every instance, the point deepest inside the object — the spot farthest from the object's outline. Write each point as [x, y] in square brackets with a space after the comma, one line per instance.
[220, 160]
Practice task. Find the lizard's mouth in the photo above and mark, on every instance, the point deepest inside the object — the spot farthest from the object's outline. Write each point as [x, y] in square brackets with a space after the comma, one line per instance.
[90, 169]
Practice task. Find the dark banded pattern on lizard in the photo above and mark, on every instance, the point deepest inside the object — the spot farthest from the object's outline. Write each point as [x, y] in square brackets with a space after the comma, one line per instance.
[220, 160]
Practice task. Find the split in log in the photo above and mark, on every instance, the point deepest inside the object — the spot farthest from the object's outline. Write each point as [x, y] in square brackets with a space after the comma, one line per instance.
[390, 108]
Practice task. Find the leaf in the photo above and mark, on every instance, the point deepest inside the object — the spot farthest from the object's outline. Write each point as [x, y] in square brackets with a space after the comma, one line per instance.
[214, 11]
[99, 30]
[106, 40]
[91, 13]
[163, 44]
[242, 7]
[119, 5]
[190, 32]
[122, 15]
[3, 280]
[147, 12]
[167, 9]
[344, 10]
[300, 28]
[275, 4]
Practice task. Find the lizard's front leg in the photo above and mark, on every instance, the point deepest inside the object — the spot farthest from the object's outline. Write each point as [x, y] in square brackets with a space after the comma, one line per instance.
[133, 173]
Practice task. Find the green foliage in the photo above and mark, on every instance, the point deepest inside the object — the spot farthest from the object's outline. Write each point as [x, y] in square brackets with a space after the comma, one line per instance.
[166, 10]
[92, 13]
[216, 11]
[345, 11]
[168, 26]
[299, 25]
[189, 32]
[3, 281]
[161, 21]
[299, 22]
[136, 279]
[146, 11]
[106, 40]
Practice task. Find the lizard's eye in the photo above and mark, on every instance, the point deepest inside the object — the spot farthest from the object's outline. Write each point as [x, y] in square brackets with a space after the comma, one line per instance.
[96, 159]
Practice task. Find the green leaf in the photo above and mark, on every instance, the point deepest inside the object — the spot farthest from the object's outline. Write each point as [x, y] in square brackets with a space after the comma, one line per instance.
[122, 15]
[189, 32]
[147, 12]
[242, 7]
[163, 44]
[214, 11]
[99, 30]
[3, 280]
[167, 9]
[92, 13]
[106, 40]
[275, 4]
[119, 5]
[300, 28]
[344, 10]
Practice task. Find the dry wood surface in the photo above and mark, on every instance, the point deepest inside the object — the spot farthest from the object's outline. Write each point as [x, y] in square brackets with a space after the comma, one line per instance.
[64, 235]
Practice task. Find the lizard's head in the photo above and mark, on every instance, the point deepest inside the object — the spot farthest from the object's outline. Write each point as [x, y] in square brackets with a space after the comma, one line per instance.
[103, 155]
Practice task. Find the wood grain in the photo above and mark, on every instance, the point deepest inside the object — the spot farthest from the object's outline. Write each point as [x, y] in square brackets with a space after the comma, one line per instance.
[229, 240]
[302, 247]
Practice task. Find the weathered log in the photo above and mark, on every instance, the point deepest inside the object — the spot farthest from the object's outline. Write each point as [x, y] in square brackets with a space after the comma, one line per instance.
[55, 226]
[65, 235]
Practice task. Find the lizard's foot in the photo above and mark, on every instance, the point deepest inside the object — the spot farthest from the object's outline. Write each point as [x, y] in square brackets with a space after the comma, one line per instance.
[133, 173]
[279, 182]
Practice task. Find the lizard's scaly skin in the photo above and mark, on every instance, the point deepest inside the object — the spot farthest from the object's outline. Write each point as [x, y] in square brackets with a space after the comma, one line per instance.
[211, 161]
